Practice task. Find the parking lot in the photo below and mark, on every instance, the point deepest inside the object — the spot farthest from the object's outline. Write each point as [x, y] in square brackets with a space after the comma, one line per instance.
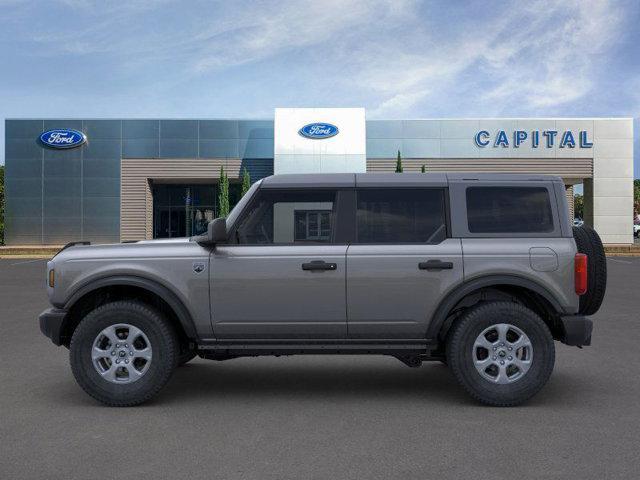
[319, 417]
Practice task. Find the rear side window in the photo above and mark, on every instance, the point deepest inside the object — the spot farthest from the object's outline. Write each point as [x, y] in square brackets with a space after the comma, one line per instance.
[401, 216]
[509, 210]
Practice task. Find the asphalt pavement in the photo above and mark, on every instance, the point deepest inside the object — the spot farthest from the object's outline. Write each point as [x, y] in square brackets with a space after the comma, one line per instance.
[319, 417]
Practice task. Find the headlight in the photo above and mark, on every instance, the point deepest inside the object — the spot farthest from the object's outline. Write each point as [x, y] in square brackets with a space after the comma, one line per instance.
[52, 277]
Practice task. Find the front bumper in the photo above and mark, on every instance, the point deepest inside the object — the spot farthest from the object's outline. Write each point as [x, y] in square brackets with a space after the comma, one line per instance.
[51, 321]
[576, 330]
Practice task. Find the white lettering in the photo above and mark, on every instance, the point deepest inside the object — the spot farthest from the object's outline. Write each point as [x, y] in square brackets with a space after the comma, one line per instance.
[59, 138]
[319, 130]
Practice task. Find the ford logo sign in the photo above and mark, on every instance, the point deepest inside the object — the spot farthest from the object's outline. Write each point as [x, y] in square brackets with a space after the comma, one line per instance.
[62, 138]
[318, 130]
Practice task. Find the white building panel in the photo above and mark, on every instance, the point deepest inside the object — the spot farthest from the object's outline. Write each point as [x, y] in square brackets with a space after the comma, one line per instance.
[613, 128]
[345, 151]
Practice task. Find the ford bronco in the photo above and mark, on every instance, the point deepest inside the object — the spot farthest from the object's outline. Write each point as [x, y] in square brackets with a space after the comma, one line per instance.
[479, 271]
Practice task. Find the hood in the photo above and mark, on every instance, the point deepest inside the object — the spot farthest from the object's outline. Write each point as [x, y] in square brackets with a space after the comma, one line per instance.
[142, 248]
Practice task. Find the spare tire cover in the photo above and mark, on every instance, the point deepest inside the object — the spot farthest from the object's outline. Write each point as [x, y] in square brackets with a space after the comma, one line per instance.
[588, 242]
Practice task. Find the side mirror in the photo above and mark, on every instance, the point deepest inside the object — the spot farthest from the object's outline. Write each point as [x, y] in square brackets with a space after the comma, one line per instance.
[217, 231]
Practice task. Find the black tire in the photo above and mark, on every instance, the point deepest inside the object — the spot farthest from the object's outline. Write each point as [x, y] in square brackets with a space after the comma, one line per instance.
[588, 242]
[163, 342]
[460, 351]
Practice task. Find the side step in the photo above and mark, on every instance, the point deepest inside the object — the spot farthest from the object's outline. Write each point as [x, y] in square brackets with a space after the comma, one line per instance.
[252, 347]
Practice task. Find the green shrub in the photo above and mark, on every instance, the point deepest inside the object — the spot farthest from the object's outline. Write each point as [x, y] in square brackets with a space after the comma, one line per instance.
[399, 163]
[246, 182]
[223, 194]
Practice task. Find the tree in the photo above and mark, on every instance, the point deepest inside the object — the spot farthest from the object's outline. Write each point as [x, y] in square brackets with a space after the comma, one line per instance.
[424, 169]
[578, 206]
[399, 163]
[246, 182]
[223, 194]
[1, 204]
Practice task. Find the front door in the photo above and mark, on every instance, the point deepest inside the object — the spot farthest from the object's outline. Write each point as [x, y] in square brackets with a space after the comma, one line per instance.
[282, 274]
[401, 262]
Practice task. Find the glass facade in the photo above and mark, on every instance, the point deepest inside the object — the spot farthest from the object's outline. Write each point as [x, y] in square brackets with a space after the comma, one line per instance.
[414, 138]
[57, 196]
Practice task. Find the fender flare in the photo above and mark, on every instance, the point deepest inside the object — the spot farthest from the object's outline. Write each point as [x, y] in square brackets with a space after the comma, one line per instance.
[184, 317]
[464, 289]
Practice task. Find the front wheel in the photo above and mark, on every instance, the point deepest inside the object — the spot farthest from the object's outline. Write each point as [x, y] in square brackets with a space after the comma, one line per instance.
[123, 353]
[502, 353]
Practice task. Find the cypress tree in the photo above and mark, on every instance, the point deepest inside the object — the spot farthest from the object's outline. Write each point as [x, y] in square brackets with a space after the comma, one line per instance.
[246, 181]
[399, 163]
[223, 195]
[424, 169]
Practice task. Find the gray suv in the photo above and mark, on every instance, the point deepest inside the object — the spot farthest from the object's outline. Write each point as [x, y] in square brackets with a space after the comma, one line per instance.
[479, 271]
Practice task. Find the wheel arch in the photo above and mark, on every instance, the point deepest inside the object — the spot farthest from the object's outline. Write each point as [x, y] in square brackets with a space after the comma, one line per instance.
[111, 288]
[529, 292]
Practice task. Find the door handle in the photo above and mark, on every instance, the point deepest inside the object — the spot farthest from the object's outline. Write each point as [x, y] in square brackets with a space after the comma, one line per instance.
[319, 265]
[435, 265]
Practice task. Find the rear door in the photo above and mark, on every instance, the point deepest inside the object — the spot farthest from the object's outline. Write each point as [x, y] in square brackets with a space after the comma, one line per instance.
[401, 263]
[283, 274]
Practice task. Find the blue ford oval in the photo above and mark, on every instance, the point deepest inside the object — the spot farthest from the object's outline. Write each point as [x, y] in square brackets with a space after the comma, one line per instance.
[318, 130]
[63, 138]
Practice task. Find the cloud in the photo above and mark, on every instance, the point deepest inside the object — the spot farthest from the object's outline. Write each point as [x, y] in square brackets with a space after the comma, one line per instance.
[395, 56]
[531, 57]
[293, 26]
[549, 56]
[215, 35]
[400, 102]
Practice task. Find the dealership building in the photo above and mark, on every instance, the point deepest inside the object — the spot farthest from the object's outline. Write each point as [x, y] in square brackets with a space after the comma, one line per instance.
[130, 179]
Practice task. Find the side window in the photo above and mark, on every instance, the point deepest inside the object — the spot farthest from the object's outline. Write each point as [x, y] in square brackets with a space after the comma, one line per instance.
[401, 216]
[289, 217]
[509, 210]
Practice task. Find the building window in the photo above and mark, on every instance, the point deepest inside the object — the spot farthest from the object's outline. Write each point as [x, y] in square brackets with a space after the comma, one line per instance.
[401, 216]
[313, 225]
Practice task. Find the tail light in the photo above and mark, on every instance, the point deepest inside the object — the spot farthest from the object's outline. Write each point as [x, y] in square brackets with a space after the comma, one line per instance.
[580, 270]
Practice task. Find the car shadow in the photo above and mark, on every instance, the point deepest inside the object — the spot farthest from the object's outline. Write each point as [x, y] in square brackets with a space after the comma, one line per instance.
[256, 380]
[251, 380]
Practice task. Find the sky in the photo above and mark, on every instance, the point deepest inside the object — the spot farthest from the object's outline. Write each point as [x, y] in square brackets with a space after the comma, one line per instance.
[397, 58]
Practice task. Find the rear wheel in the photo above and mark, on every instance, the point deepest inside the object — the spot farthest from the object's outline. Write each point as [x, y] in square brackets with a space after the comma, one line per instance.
[123, 353]
[502, 353]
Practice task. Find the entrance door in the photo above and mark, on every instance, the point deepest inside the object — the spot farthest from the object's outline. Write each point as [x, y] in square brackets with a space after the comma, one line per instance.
[177, 221]
[182, 210]
[162, 223]
[283, 274]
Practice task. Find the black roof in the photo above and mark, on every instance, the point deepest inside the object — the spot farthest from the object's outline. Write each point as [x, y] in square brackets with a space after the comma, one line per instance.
[346, 180]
